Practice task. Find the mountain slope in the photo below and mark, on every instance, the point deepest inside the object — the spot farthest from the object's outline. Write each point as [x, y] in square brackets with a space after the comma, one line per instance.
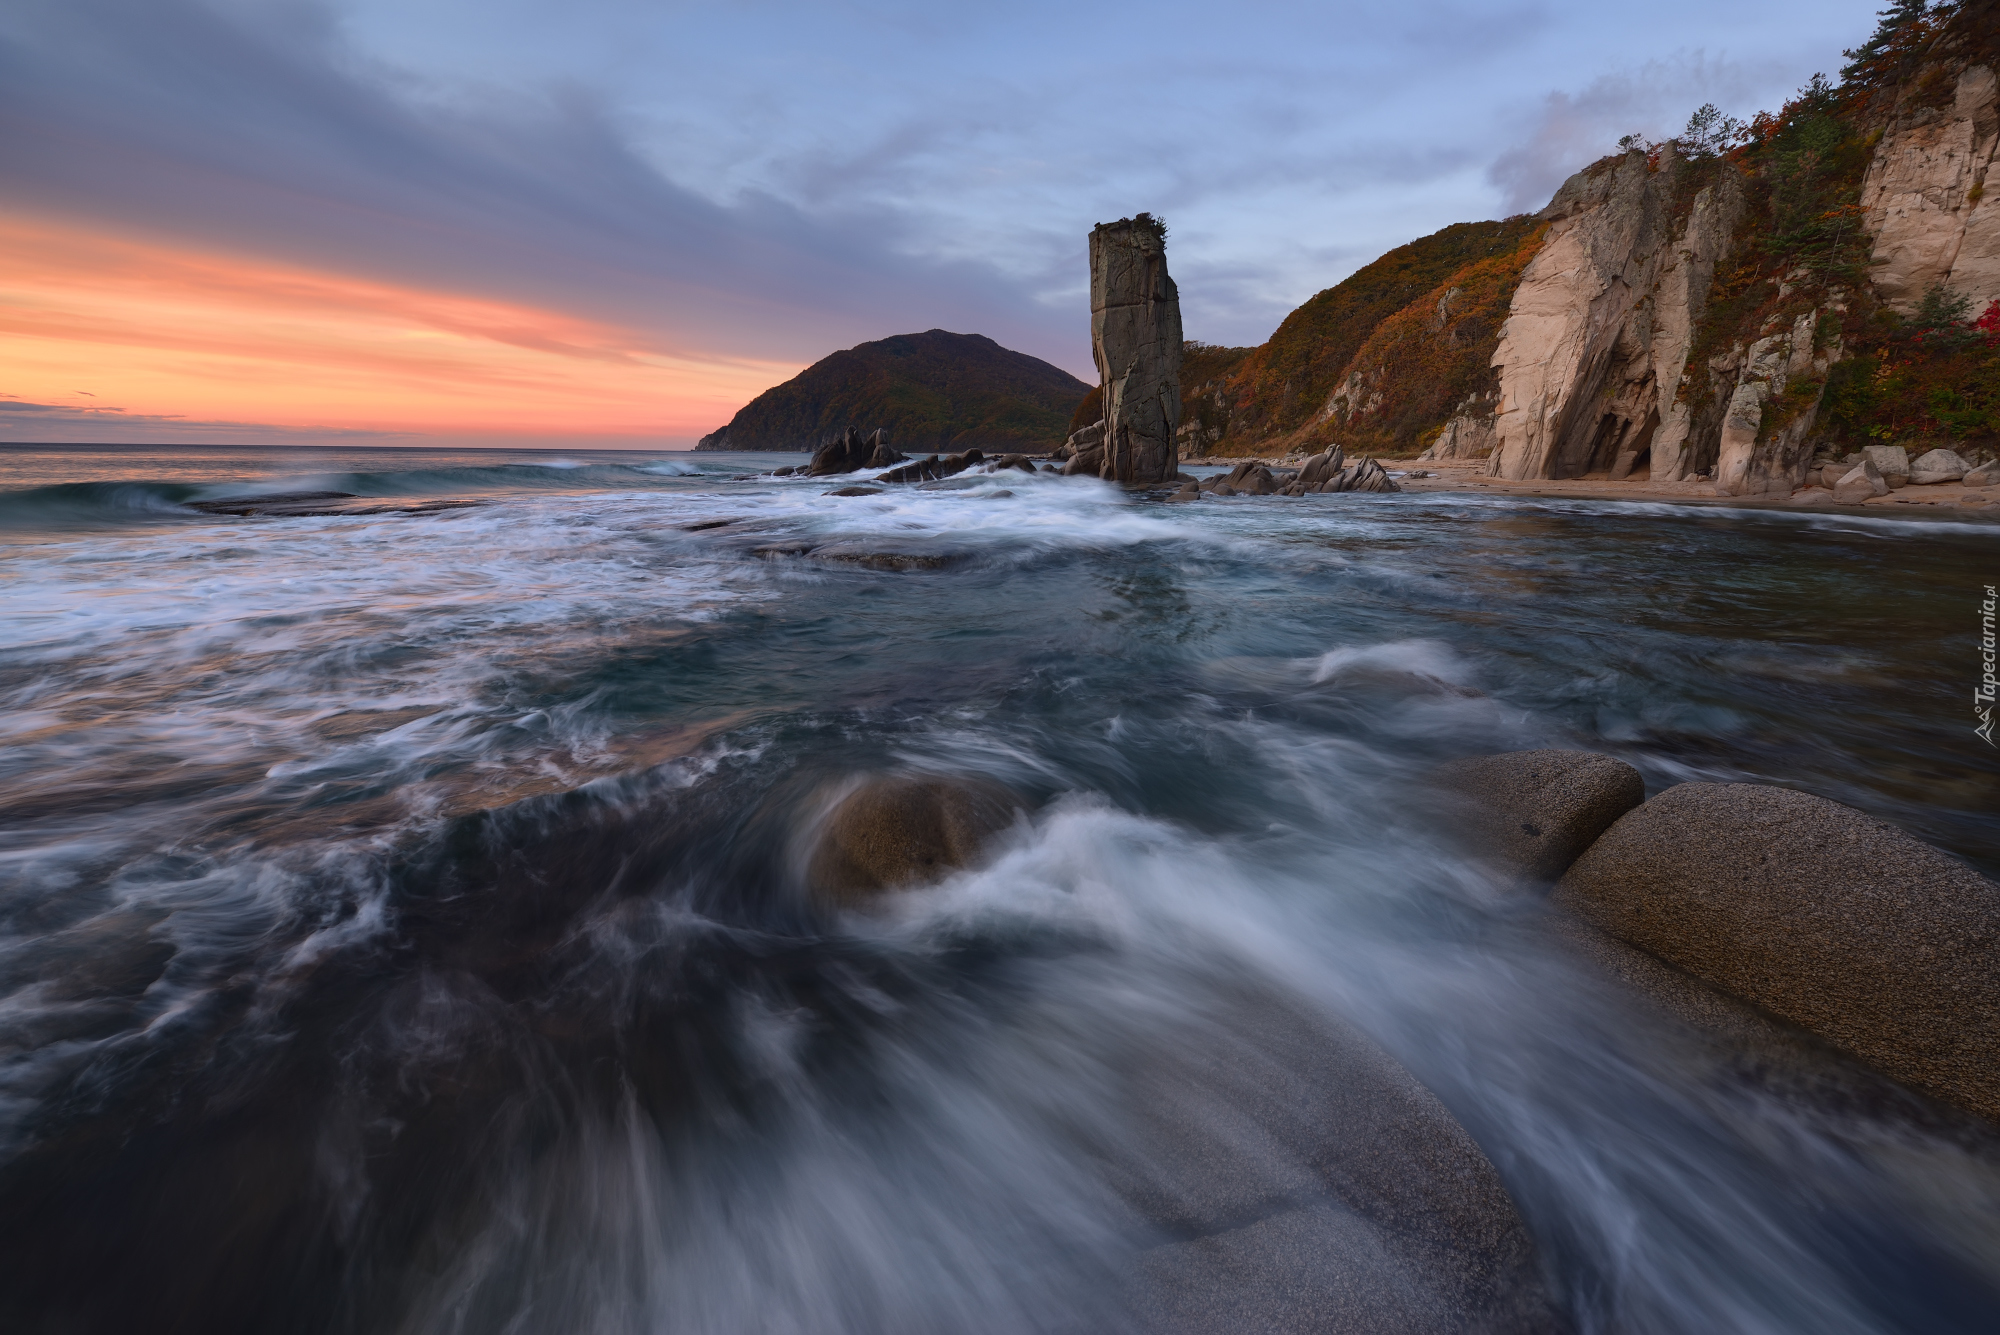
[931, 391]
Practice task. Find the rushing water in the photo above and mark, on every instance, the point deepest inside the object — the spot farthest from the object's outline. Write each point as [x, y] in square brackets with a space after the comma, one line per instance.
[401, 925]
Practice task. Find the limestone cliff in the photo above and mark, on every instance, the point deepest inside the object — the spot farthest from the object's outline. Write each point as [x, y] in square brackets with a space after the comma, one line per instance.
[1719, 306]
[1928, 209]
[1591, 358]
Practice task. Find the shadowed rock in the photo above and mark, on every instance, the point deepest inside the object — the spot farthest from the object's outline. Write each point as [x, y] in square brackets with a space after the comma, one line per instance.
[845, 453]
[901, 831]
[1135, 336]
[934, 468]
[1533, 813]
[1819, 914]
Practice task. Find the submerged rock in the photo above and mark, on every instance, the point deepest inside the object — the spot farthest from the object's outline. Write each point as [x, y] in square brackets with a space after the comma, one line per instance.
[1534, 812]
[901, 831]
[1820, 915]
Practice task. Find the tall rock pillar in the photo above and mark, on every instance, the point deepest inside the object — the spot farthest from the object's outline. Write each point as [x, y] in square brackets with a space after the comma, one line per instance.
[1135, 334]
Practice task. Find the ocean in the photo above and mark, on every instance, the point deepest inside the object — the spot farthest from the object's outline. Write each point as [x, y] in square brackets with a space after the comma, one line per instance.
[402, 926]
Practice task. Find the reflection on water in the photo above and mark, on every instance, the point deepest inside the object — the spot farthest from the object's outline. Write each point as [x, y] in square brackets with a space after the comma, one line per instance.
[401, 929]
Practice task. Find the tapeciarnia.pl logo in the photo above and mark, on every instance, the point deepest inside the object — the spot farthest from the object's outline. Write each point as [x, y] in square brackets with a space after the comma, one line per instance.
[1982, 694]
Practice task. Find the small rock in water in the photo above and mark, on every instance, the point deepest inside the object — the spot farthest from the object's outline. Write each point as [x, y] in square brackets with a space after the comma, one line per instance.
[902, 831]
[1535, 812]
[857, 491]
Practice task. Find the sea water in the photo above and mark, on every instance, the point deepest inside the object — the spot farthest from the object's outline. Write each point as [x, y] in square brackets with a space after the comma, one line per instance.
[402, 923]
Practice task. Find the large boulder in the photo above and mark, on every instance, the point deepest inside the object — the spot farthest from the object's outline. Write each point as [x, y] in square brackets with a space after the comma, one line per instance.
[1309, 1182]
[1892, 461]
[1820, 915]
[1860, 483]
[904, 830]
[1983, 476]
[1533, 813]
[1935, 466]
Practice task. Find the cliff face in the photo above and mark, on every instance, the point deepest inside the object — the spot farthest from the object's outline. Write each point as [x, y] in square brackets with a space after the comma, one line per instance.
[930, 391]
[1712, 310]
[1591, 358]
[1926, 197]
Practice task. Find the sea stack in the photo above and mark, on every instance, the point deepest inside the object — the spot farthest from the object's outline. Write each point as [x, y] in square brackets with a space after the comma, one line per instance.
[1135, 335]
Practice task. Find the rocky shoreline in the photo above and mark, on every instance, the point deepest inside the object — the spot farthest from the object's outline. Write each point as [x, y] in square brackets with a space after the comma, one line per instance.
[1802, 946]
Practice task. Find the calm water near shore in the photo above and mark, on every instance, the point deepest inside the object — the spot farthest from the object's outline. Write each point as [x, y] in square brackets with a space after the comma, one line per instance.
[401, 924]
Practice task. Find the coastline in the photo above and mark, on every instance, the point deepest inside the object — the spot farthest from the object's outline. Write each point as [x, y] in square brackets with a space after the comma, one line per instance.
[1468, 475]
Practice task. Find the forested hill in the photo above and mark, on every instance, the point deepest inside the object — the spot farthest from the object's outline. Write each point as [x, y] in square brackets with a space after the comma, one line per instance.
[932, 391]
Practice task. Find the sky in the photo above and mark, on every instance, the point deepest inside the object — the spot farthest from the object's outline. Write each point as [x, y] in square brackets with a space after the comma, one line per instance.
[614, 222]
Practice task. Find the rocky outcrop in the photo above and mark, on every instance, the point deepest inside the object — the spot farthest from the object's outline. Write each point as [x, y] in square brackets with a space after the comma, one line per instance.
[1593, 354]
[934, 469]
[1763, 449]
[1470, 434]
[1083, 452]
[1932, 210]
[1533, 812]
[894, 832]
[849, 452]
[1818, 914]
[1135, 336]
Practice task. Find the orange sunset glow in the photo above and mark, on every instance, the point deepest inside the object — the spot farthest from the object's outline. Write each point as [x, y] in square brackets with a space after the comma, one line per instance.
[92, 320]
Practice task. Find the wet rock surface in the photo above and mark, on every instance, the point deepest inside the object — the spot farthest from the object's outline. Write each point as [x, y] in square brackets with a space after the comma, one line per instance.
[1825, 917]
[1308, 1182]
[899, 831]
[934, 469]
[1534, 812]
